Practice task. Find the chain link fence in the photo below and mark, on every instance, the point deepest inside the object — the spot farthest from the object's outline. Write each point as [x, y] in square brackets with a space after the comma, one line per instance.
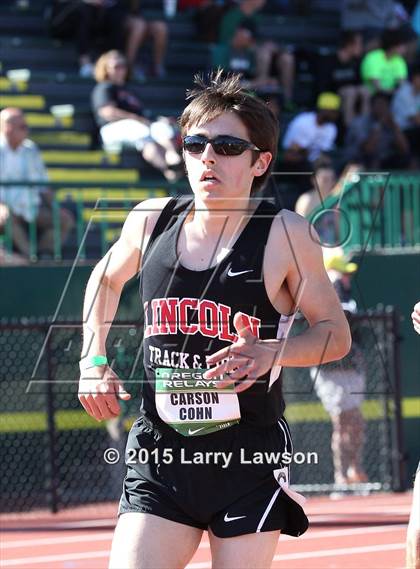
[53, 452]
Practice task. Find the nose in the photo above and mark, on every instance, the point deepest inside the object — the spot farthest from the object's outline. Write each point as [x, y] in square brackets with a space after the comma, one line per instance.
[208, 156]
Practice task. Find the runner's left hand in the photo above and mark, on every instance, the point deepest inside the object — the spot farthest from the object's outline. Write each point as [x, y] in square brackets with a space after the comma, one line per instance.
[248, 358]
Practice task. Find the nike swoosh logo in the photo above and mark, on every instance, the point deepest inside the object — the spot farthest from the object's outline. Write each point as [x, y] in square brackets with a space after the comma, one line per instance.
[235, 274]
[227, 518]
[192, 432]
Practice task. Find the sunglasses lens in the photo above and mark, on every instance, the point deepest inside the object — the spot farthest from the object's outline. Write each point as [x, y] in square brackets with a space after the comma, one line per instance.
[195, 144]
[228, 147]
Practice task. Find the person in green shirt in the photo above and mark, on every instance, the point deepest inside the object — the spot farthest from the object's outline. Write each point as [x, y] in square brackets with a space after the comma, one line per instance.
[385, 68]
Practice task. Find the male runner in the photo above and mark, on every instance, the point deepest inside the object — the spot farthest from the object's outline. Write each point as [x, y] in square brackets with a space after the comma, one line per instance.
[412, 549]
[222, 276]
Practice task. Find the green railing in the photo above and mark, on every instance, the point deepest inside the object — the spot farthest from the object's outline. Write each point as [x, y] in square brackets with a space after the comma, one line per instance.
[376, 211]
[100, 207]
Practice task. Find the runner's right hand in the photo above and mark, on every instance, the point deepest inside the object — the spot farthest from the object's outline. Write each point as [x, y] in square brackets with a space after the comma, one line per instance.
[99, 391]
[415, 316]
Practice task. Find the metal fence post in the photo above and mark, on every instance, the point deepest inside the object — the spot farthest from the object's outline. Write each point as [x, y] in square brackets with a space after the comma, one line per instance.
[398, 452]
[51, 464]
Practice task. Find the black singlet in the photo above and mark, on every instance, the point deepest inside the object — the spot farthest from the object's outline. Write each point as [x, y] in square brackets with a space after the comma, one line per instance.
[189, 314]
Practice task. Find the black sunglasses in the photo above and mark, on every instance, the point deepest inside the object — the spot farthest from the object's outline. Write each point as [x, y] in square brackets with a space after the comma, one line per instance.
[222, 144]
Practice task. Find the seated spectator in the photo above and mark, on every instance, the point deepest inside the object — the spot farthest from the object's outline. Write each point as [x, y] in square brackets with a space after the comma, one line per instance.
[340, 385]
[20, 160]
[339, 73]
[207, 15]
[406, 111]
[123, 31]
[375, 139]
[311, 134]
[383, 69]
[240, 57]
[370, 17]
[120, 116]
[141, 28]
[267, 53]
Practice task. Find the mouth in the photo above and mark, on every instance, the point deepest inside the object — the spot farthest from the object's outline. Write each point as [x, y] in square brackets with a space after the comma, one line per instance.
[209, 177]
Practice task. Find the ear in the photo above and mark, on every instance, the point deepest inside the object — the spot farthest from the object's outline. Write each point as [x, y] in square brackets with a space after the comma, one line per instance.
[262, 163]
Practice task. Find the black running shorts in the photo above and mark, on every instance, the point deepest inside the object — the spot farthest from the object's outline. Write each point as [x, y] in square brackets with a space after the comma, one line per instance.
[230, 481]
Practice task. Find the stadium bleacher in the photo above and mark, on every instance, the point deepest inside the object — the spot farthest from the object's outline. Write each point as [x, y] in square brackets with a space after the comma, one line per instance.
[67, 135]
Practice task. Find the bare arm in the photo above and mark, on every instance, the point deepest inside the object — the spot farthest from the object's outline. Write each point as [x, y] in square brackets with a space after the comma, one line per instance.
[328, 336]
[99, 386]
[293, 257]
[112, 113]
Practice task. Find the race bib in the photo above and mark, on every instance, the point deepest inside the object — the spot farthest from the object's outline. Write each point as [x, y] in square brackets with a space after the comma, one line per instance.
[192, 405]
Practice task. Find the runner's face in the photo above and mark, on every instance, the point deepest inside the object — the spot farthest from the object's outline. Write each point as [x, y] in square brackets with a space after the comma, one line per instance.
[233, 175]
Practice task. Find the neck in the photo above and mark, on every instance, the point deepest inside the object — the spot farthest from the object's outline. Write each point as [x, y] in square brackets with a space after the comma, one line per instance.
[14, 145]
[222, 218]
[324, 192]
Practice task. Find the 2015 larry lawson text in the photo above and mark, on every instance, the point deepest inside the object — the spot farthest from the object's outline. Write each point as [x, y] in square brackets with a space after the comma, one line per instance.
[167, 456]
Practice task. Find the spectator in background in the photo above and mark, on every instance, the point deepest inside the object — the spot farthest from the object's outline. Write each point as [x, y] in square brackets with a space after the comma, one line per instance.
[370, 17]
[375, 140]
[383, 69]
[142, 28]
[311, 134]
[207, 16]
[124, 32]
[20, 160]
[325, 184]
[7, 257]
[406, 111]
[341, 385]
[324, 181]
[268, 54]
[120, 116]
[240, 57]
[339, 73]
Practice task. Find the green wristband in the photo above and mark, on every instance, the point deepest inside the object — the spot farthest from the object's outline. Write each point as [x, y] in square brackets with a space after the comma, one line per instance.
[93, 361]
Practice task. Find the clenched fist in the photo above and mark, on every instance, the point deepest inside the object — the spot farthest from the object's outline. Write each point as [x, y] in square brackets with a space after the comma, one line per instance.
[99, 391]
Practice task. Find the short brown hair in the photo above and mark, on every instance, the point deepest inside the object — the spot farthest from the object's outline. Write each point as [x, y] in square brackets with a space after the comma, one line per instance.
[101, 72]
[226, 94]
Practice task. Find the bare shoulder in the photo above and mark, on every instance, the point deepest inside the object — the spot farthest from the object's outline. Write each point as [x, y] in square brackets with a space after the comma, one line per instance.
[292, 237]
[288, 224]
[141, 221]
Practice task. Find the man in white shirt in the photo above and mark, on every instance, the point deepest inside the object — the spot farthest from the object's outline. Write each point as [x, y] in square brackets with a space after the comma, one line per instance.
[312, 133]
[20, 160]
